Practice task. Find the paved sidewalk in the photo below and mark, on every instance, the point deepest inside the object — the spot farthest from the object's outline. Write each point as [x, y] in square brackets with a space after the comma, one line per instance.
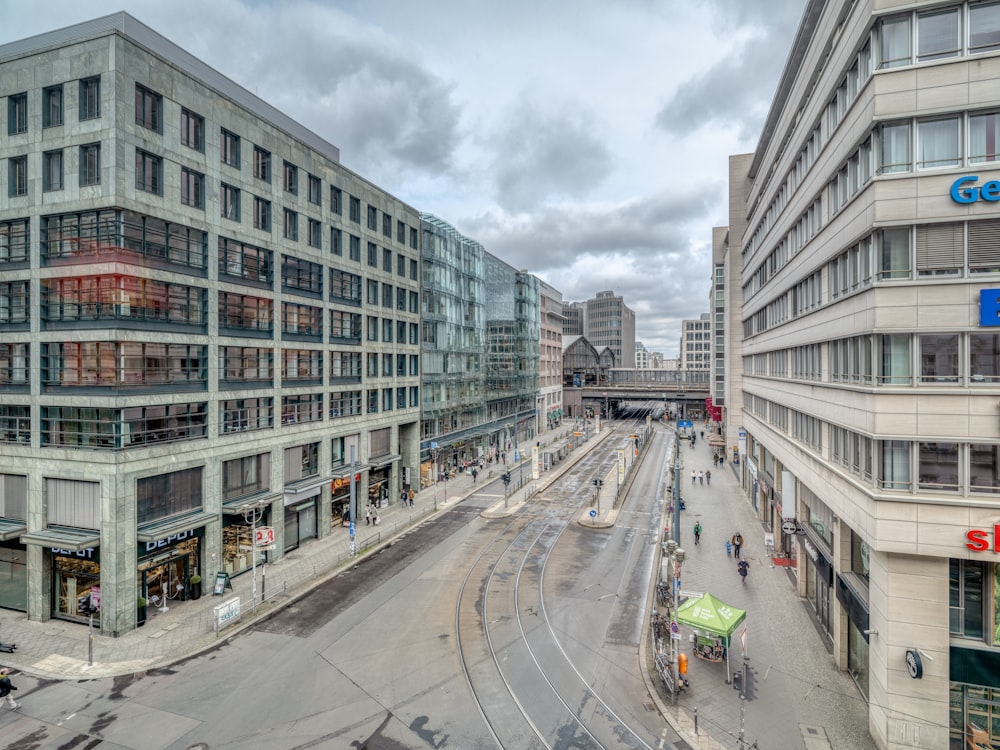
[57, 649]
[796, 697]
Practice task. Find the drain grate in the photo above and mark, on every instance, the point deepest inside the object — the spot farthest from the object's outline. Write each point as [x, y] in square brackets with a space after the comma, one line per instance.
[648, 705]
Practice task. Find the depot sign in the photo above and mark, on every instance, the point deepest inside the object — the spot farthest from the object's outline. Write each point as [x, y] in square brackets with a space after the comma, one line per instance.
[963, 190]
[979, 540]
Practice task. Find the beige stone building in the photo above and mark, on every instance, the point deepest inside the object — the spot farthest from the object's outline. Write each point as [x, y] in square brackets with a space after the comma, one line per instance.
[861, 279]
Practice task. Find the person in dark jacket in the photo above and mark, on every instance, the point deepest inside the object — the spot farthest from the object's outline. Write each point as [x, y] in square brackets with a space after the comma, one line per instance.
[6, 688]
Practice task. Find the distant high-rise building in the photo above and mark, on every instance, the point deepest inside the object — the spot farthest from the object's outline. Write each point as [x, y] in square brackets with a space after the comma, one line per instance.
[550, 372]
[606, 321]
[696, 343]
[642, 359]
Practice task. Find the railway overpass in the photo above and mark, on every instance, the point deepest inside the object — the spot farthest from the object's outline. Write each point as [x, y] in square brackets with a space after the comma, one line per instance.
[684, 392]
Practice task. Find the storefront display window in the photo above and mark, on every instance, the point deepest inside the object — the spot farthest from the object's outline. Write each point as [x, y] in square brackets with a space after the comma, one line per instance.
[164, 573]
[975, 715]
[237, 546]
[76, 575]
[13, 577]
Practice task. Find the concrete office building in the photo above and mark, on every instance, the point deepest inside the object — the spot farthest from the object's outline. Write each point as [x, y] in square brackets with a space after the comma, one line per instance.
[696, 344]
[606, 321]
[549, 409]
[862, 277]
[206, 323]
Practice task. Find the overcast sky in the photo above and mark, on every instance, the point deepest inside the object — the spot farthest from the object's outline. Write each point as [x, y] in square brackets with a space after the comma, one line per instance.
[584, 141]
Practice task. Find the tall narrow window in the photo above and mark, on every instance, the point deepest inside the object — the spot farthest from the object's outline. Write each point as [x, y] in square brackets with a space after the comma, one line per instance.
[895, 42]
[229, 202]
[90, 164]
[315, 190]
[192, 188]
[192, 130]
[17, 114]
[52, 177]
[984, 136]
[939, 143]
[895, 464]
[90, 98]
[291, 225]
[52, 106]
[894, 148]
[894, 258]
[984, 27]
[895, 359]
[336, 200]
[148, 172]
[261, 164]
[291, 178]
[229, 148]
[148, 109]
[17, 176]
[261, 214]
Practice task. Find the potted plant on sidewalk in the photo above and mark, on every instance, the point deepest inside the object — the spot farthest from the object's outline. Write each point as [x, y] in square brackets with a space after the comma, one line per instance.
[141, 605]
[194, 586]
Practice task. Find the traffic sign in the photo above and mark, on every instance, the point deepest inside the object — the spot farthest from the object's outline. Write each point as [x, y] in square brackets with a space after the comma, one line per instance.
[674, 627]
[352, 529]
[593, 513]
[264, 535]
[789, 526]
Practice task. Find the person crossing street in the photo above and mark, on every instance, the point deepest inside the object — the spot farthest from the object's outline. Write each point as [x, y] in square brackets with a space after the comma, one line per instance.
[697, 532]
[742, 567]
[6, 688]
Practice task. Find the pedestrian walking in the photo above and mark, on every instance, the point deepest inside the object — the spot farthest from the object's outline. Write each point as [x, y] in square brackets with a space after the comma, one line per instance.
[368, 515]
[697, 532]
[694, 476]
[743, 567]
[708, 476]
[402, 498]
[6, 688]
[729, 548]
[701, 477]
[737, 541]
[475, 474]
[412, 493]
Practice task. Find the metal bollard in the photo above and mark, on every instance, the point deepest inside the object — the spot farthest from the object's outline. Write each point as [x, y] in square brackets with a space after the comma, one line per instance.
[696, 720]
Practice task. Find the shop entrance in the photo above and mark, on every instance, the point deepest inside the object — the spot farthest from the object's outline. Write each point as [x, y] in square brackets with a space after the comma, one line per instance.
[163, 577]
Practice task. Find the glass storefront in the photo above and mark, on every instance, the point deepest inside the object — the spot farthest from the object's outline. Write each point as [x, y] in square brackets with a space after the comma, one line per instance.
[13, 576]
[76, 575]
[975, 716]
[164, 571]
[300, 523]
[237, 544]
[857, 657]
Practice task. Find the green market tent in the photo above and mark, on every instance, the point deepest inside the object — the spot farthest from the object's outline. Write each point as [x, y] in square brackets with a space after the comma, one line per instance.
[710, 615]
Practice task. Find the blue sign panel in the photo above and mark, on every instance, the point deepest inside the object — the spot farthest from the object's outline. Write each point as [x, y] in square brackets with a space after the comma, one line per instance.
[963, 191]
[685, 423]
[989, 307]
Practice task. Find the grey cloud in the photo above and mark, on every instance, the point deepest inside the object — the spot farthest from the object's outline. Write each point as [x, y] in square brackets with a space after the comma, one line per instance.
[546, 151]
[736, 89]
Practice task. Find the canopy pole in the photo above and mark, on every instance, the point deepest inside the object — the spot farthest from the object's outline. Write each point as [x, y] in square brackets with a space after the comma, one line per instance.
[728, 676]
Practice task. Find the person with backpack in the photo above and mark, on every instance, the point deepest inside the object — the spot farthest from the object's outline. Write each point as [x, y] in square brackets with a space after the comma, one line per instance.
[697, 532]
[6, 688]
[737, 541]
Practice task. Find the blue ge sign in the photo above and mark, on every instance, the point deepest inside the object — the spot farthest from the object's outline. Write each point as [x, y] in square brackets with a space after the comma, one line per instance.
[989, 307]
[964, 191]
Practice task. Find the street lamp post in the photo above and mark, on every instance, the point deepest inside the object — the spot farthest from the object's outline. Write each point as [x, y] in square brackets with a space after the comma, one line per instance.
[252, 514]
[676, 555]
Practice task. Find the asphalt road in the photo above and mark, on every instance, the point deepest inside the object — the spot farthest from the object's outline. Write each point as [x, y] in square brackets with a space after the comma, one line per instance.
[463, 633]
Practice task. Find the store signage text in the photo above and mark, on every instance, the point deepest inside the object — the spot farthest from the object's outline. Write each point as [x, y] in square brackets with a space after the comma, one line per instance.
[87, 553]
[169, 541]
[979, 539]
[962, 192]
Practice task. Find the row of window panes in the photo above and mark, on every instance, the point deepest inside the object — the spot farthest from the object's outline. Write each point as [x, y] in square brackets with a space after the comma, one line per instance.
[89, 105]
[942, 141]
[121, 363]
[935, 34]
[53, 170]
[896, 359]
[807, 226]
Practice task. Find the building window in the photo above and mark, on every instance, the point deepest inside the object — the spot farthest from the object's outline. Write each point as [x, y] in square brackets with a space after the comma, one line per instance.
[984, 135]
[355, 212]
[90, 98]
[938, 358]
[245, 364]
[15, 427]
[984, 27]
[243, 261]
[242, 414]
[90, 164]
[17, 176]
[261, 164]
[371, 366]
[401, 265]
[938, 35]
[400, 298]
[937, 467]
[52, 170]
[984, 469]
[967, 598]
[387, 338]
[229, 148]
[401, 232]
[894, 148]
[14, 240]
[373, 255]
[148, 172]
[346, 367]
[148, 109]
[336, 200]
[302, 320]
[290, 227]
[414, 244]
[301, 275]
[345, 327]
[192, 130]
[939, 143]
[413, 270]
[239, 312]
[355, 248]
[52, 106]
[17, 114]
[336, 240]
[116, 364]
[300, 365]
[387, 260]
[146, 425]
[13, 302]
[315, 233]
[261, 214]
[229, 202]
[387, 399]
[894, 464]
[192, 188]
[371, 399]
[372, 218]
[291, 173]
[387, 296]
[371, 326]
[306, 408]
[345, 404]
[345, 287]
[387, 225]
[315, 190]
[246, 475]
[894, 37]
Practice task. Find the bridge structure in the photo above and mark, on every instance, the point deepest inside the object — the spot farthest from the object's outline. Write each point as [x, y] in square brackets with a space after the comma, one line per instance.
[682, 393]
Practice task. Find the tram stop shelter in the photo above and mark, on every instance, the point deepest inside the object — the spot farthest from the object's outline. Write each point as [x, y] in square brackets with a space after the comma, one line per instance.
[713, 622]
